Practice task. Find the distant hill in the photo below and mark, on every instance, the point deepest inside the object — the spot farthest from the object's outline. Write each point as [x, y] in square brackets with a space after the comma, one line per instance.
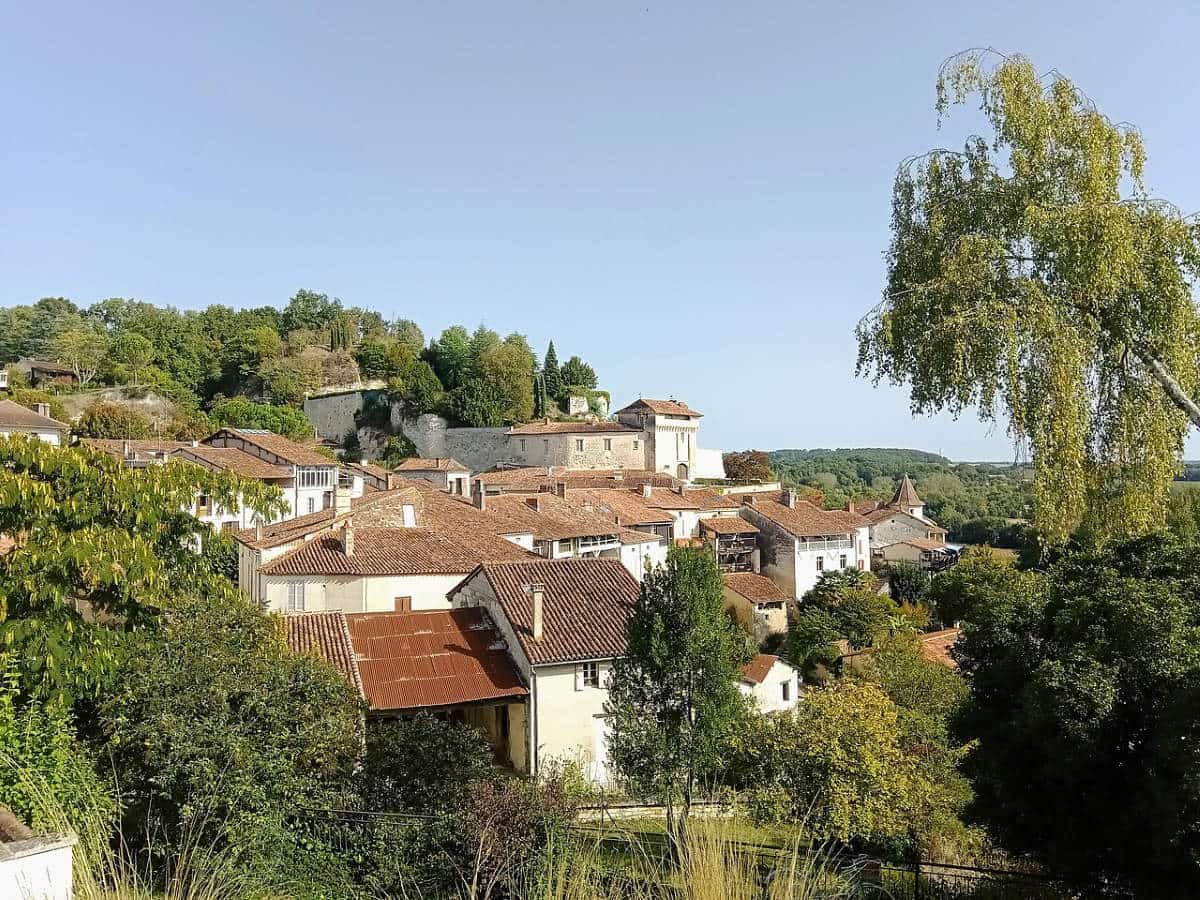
[884, 457]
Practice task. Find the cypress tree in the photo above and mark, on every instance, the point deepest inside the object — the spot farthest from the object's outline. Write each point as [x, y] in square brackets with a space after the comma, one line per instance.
[552, 374]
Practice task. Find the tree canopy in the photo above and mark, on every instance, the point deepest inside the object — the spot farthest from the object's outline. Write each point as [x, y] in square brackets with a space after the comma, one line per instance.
[1032, 275]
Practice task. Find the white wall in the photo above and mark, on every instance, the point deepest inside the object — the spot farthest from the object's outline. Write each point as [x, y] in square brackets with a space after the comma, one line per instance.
[49, 437]
[39, 869]
[570, 717]
[362, 594]
[769, 694]
[635, 556]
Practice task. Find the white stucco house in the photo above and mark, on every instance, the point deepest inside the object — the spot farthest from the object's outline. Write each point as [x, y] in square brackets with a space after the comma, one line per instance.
[36, 422]
[798, 540]
[564, 624]
[771, 683]
[671, 429]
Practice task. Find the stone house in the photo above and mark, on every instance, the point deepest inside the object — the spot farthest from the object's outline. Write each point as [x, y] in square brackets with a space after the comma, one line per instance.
[45, 371]
[577, 445]
[447, 473]
[758, 603]
[901, 519]
[671, 429]
[798, 540]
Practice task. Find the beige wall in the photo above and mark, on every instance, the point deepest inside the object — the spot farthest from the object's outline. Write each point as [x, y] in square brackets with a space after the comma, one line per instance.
[761, 621]
[569, 716]
[362, 594]
[562, 450]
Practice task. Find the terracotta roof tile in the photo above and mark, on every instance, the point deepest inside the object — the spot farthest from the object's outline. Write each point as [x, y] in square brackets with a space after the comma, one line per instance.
[937, 646]
[324, 635]
[379, 509]
[117, 448]
[754, 587]
[232, 459]
[624, 505]
[587, 604]
[386, 551]
[285, 448]
[920, 544]
[697, 499]
[906, 494]
[430, 659]
[14, 415]
[806, 519]
[430, 464]
[661, 408]
[728, 525]
[535, 478]
[639, 537]
[550, 518]
[759, 668]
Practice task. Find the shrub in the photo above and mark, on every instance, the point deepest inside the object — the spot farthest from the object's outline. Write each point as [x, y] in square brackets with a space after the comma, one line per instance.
[114, 420]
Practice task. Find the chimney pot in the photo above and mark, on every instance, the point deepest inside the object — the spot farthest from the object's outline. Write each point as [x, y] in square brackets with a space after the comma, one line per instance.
[748, 499]
[258, 529]
[538, 594]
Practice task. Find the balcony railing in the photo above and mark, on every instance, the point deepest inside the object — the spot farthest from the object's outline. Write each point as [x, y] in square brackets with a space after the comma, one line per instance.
[826, 544]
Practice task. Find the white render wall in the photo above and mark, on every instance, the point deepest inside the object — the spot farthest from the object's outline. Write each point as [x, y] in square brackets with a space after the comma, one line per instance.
[570, 717]
[769, 694]
[49, 437]
[37, 869]
[636, 556]
[360, 593]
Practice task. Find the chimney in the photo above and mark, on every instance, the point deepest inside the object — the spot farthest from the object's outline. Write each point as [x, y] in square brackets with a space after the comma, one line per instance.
[679, 489]
[42, 409]
[756, 560]
[348, 538]
[538, 594]
[788, 498]
[647, 490]
[849, 506]
[362, 460]
[534, 503]
[560, 489]
[195, 443]
[258, 529]
[341, 499]
[479, 496]
[748, 499]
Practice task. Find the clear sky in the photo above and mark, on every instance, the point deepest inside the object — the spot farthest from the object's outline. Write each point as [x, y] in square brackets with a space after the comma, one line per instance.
[693, 196]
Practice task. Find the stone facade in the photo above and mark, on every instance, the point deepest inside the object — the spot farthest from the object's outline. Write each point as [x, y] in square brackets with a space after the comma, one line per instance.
[332, 415]
[582, 450]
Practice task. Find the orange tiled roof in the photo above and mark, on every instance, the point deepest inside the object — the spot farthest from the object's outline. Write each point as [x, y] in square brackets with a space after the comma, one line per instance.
[428, 659]
[906, 494]
[535, 478]
[639, 537]
[728, 525]
[623, 504]
[285, 448]
[685, 499]
[379, 509]
[14, 415]
[937, 645]
[805, 519]
[324, 635]
[232, 459]
[754, 587]
[431, 464]
[759, 668]
[387, 551]
[547, 427]
[116, 447]
[549, 517]
[662, 408]
[587, 604]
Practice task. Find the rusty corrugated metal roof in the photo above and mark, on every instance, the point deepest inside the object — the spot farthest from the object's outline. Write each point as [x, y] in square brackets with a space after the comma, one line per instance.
[428, 659]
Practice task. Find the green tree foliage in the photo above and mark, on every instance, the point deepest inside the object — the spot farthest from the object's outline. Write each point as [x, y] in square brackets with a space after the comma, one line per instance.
[98, 543]
[1035, 278]
[409, 333]
[498, 386]
[835, 763]
[342, 332]
[1085, 704]
[31, 397]
[247, 353]
[857, 611]
[220, 732]
[907, 582]
[308, 309]
[980, 575]
[552, 374]
[450, 356]
[576, 373]
[44, 770]
[114, 420]
[1183, 515]
[673, 700]
[419, 390]
[812, 641]
[135, 352]
[748, 465]
[82, 348]
[422, 764]
[241, 412]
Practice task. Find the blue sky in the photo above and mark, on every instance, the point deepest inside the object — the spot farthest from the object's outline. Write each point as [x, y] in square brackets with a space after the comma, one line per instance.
[692, 196]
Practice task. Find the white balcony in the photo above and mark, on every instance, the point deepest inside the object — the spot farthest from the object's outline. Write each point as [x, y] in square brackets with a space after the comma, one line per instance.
[824, 544]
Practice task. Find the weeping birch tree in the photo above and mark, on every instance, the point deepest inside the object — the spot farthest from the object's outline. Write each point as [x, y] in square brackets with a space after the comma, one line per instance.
[1031, 275]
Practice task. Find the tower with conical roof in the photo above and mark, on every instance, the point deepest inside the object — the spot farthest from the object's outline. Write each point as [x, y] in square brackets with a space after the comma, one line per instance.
[907, 500]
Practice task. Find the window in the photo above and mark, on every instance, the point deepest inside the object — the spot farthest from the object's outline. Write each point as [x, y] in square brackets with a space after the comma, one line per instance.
[404, 604]
[579, 444]
[312, 504]
[409, 515]
[295, 597]
[862, 564]
[590, 674]
[522, 445]
[820, 564]
[842, 561]
[316, 476]
[228, 526]
[635, 444]
[564, 546]
[608, 443]
[202, 503]
[787, 691]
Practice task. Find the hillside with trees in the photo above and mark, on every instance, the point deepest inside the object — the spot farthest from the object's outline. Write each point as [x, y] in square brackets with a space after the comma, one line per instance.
[236, 366]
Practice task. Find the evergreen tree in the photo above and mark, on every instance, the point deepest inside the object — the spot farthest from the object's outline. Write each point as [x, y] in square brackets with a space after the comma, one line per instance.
[552, 374]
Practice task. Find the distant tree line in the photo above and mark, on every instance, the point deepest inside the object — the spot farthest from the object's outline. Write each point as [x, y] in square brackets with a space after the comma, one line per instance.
[267, 356]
